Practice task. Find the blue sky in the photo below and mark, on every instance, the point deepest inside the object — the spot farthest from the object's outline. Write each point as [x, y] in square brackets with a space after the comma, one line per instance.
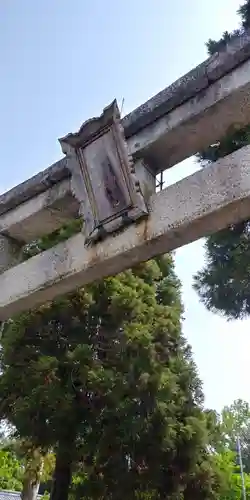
[61, 62]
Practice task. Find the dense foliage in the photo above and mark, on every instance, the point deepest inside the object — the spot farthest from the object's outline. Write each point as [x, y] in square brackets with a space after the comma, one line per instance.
[222, 465]
[105, 377]
[10, 471]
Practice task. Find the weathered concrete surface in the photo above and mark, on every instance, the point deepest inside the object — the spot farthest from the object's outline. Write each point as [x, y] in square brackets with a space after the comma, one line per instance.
[170, 126]
[197, 123]
[203, 203]
[41, 214]
[34, 186]
[189, 85]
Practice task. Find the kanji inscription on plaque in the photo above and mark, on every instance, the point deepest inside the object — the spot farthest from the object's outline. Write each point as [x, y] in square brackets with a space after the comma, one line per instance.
[103, 175]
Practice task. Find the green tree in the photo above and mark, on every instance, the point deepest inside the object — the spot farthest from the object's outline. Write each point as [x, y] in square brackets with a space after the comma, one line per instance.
[224, 429]
[224, 283]
[230, 478]
[38, 466]
[11, 471]
[235, 423]
[105, 377]
[213, 423]
[33, 465]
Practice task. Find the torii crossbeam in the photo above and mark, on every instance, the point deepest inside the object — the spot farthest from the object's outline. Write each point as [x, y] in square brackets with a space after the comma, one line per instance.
[108, 177]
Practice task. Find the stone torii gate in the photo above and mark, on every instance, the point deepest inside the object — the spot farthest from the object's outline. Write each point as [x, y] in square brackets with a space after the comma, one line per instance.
[108, 176]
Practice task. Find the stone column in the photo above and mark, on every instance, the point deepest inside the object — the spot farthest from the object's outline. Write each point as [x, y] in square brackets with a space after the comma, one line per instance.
[9, 253]
[146, 177]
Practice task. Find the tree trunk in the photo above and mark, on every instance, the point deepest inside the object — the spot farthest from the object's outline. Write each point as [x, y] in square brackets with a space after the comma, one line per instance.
[33, 471]
[62, 474]
[30, 490]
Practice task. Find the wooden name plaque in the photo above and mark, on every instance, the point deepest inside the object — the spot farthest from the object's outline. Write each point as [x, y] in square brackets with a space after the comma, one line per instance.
[103, 175]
